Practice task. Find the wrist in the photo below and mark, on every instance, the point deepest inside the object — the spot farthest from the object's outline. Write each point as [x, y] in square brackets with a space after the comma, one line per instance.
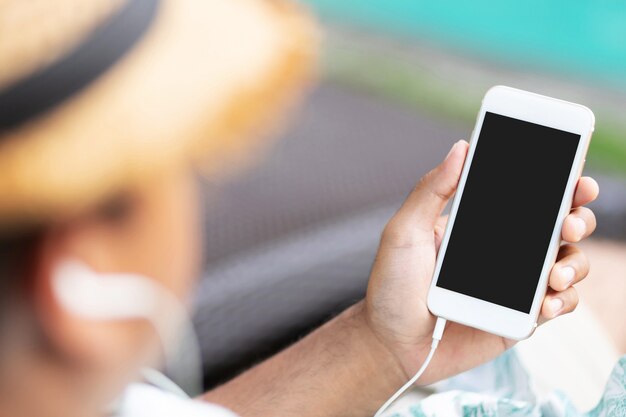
[388, 364]
[408, 342]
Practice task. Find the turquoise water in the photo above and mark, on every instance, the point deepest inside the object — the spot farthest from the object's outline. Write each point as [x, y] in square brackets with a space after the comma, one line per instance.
[581, 37]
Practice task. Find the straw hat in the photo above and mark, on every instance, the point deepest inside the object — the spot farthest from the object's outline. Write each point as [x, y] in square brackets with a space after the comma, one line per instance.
[98, 95]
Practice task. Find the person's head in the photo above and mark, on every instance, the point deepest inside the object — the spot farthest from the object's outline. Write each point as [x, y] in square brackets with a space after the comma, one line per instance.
[49, 350]
[106, 107]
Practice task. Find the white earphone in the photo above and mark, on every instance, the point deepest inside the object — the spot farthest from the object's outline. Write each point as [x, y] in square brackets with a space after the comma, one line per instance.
[124, 296]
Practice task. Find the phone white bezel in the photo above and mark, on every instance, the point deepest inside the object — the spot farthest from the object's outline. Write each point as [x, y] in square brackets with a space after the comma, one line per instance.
[544, 111]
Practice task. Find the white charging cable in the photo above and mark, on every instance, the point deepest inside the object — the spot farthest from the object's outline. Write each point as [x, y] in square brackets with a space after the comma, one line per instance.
[440, 325]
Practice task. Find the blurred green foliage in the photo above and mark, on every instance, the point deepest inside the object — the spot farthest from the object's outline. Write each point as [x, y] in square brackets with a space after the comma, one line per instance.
[413, 86]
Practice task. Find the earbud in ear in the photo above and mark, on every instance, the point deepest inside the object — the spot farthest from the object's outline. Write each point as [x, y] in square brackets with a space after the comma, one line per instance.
[104, 296]
[124, 296]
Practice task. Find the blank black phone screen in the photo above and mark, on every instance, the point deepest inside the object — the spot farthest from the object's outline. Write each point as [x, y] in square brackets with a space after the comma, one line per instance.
[508, 210]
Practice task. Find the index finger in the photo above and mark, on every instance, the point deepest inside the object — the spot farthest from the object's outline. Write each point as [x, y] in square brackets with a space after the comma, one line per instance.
[587, 190]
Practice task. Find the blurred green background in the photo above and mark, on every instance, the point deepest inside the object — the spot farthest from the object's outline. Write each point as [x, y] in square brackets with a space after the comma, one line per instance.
[442, 56]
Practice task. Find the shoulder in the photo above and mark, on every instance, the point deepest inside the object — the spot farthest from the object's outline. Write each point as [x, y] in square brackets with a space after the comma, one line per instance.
[142, 400]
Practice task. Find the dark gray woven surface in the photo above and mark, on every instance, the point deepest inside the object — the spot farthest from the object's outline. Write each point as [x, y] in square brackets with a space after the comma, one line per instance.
[344, 152]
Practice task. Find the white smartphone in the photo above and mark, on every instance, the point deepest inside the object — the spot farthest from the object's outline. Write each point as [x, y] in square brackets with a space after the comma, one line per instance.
[526, 154]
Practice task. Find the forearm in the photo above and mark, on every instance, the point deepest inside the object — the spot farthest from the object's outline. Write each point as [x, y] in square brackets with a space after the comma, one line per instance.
[341, 369]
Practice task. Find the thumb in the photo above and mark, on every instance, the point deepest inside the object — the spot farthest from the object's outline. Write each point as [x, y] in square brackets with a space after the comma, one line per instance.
[424, 205]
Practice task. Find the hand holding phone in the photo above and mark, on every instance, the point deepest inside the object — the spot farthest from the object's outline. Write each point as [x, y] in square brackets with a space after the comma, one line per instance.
[525, 158]
[396, 302]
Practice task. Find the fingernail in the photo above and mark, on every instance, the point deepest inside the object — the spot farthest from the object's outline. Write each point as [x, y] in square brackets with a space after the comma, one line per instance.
[568, 273]
[451, 150]
[556, 304]
[580, 227]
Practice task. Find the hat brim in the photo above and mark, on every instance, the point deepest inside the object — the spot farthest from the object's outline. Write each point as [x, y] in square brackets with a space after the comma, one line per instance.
[204, 79]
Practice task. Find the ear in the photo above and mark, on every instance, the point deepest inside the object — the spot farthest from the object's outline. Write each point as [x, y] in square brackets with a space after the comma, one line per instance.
[90, 342]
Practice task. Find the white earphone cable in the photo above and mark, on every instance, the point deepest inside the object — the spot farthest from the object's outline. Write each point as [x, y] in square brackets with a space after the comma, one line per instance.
[437, 335]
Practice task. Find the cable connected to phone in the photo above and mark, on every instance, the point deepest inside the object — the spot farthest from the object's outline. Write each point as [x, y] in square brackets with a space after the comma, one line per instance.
[437, 335]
